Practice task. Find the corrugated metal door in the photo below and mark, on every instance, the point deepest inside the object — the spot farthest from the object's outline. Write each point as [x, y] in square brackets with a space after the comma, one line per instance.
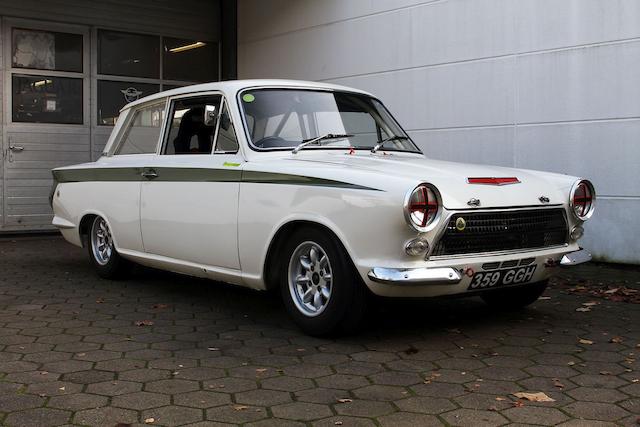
[46, 113]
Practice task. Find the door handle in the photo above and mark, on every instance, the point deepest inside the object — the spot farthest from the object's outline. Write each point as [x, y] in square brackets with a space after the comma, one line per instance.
[16, 148]
[149, 174]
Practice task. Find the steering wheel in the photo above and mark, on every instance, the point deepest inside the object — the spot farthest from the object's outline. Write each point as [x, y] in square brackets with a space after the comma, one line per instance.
[271, 142]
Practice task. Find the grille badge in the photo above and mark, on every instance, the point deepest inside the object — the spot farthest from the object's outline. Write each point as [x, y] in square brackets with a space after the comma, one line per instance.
[461, 224]
[473, 202]
[543, 199]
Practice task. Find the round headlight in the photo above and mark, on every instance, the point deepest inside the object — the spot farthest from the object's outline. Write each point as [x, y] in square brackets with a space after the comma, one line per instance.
[422, 207]
[582, 199]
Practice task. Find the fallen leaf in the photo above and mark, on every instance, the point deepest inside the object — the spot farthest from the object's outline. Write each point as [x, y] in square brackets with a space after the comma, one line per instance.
[411, 350]
[240, 407]
[518, 404]
[590, 303]
[261, 370]
[62, 388]
[213, 349]
[605, 373]
[616, 340]
[345, 400]
[500, 399]
[635, 380]
[557, 383]
[493, 409]
[150, 420]
[534, 397]
[144, 323]
[160, 306]
[571, 363]
[99, 301]
[338, 423]
[583, 341]
[544, 297]
[583, 309]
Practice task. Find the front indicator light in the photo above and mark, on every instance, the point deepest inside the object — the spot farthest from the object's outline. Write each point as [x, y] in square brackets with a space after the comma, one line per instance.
[416, 247]
[577, 232]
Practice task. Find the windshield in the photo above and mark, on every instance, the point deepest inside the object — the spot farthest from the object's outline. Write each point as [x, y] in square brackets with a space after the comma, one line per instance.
[284, 118]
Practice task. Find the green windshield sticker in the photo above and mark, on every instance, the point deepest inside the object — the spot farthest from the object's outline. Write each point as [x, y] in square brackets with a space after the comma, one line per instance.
[248, 97]
[231, 164]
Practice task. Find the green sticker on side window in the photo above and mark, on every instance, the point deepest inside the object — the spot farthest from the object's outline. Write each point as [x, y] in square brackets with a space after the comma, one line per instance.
[248, 97]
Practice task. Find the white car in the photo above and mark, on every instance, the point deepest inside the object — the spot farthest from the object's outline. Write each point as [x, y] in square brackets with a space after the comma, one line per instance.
[316, 190]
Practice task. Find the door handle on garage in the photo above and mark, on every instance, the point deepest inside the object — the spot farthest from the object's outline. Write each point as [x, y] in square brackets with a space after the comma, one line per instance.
[16, 148]
[149, 174]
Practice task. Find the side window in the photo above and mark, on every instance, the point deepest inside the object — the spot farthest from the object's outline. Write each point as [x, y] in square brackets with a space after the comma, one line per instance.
[143, 131]
[226, 141]
[188, 133]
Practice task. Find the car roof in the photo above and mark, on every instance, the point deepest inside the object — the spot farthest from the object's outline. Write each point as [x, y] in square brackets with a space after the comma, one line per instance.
[237, 85]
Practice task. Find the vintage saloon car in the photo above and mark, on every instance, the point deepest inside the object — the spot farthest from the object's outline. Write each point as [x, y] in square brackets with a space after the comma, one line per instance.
[316, 190]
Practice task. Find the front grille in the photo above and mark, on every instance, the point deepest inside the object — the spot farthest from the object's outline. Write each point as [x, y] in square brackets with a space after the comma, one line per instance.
[503, 231]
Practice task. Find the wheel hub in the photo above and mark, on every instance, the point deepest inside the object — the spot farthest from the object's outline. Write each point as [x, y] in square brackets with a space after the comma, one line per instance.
[310, 278]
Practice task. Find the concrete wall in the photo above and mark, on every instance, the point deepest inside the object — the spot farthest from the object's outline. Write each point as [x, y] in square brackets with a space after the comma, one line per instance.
[541, 84]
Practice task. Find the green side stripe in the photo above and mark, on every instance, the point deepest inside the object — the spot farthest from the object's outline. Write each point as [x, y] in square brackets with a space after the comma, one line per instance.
[197, 175]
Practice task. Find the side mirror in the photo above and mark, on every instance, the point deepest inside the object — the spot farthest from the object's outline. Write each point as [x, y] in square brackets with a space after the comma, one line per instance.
[210, 115]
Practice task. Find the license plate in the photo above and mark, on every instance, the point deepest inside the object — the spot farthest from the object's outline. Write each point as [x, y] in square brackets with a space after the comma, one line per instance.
[495, 278]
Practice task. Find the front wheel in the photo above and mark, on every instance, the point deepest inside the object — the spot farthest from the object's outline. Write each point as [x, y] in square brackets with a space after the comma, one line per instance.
[102, 252]
[320, 287]
[516, 297]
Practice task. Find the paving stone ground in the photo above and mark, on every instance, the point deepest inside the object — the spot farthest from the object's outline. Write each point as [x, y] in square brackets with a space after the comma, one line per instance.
[209, 354]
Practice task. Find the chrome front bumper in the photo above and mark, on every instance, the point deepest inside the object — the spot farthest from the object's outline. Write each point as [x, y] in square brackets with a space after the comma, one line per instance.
[448, 275]
[575, 258]
[415, 276]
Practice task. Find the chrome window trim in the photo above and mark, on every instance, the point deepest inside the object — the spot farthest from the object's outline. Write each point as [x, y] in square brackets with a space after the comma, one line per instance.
[125, 127]
[312, 89]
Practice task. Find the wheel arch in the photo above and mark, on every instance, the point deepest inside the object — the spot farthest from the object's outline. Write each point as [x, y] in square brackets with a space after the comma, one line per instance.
[84, 226]
[279, 239]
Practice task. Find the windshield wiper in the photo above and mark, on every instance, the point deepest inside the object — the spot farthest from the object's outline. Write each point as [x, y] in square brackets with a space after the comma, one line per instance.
[318, 139]
[391, 138]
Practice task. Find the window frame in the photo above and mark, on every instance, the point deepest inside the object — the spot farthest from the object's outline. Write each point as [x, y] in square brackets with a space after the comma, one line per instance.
[160, 81]
[9, 24]
[131, 114]
[169, 117]
[249, 140]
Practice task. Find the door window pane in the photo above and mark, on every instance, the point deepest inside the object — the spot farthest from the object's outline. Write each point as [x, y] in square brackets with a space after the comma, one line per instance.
[41, 99]
[143, 131]
[188, 134]
[46, 50]
[126, 54]
[226, 141]
[190, 60]
[112, 96]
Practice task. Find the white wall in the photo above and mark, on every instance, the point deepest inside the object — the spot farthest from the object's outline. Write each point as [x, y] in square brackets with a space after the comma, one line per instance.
[541, 84]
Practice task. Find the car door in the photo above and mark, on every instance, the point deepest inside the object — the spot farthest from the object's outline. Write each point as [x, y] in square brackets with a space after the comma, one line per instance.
[189, 197]
[114, 190]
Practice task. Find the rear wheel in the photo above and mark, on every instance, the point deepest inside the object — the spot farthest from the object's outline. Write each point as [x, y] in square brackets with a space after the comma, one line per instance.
[102, 252]
[516, 297]
[320, 287]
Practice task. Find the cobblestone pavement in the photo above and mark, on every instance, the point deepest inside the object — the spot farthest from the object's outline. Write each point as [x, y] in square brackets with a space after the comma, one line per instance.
[207, 354]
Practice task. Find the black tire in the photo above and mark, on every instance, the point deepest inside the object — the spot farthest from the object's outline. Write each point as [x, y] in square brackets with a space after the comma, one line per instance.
[345, 310]
[111, 267]
[516, 297]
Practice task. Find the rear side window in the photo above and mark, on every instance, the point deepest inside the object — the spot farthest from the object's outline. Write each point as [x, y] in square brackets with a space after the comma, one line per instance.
[143, 131]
